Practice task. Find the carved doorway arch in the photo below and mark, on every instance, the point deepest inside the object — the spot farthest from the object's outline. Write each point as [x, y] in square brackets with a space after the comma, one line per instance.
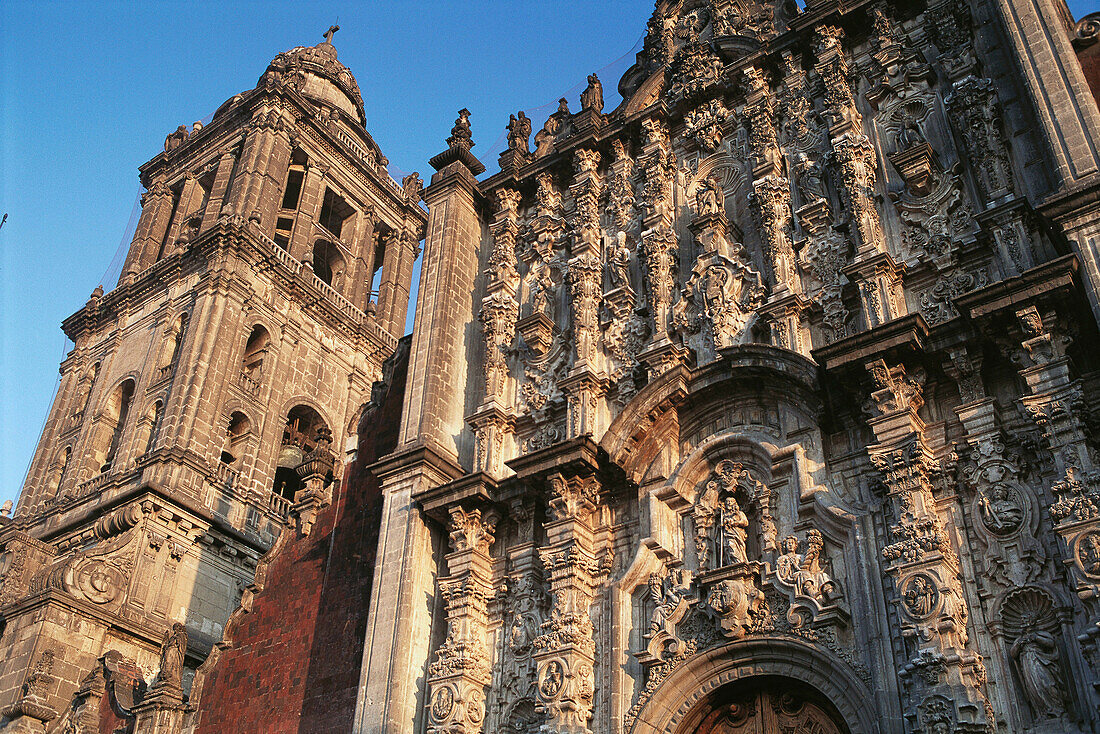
[764, 705]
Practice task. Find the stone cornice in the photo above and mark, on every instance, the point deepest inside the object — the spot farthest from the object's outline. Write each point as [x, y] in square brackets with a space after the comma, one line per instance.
[205, 256]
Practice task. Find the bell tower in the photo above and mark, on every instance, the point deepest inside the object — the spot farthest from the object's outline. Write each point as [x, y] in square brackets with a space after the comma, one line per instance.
[210, 397]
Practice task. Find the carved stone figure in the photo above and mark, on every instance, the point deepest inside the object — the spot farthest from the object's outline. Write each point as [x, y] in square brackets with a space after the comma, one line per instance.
[708, 197]
[1001, 510]
[808, 178]
[920, 596]
[910, 135]
[176, 139]
[734, 525]
[1088, 553]
[790, 562]
[461, 135]
[618, 261]
[172, 651]
[1036, 656]
[519, 133]
[544, 139]
[592, 97]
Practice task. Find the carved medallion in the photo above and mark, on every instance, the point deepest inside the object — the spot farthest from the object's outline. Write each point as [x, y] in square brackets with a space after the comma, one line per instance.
[443, 703]
[1088, 553]
[919, 596]
[1002, 510]
[552, 679]
[99, 582]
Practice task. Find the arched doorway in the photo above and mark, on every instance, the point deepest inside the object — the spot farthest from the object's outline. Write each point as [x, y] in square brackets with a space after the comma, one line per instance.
[764, 705]
[742, 670]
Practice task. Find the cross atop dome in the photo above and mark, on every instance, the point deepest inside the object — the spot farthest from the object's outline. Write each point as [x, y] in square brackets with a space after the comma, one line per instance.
[330, 33]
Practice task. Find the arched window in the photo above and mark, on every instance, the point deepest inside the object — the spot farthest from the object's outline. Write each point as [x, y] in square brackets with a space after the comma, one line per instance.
[254, 352]
[239, 428]
[117, 410]
[328, 263]
[299, 437]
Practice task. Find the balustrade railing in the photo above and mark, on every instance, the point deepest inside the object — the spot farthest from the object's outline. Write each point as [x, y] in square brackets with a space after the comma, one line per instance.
[278, 504]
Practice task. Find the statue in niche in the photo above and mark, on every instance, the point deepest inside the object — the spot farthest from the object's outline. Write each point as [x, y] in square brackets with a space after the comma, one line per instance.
[1036, 656]
[734, 528]
[172, 651]
[618, 262]
[592, 97]
[543, 291]
[910, 135]
[519, 133]
[808, 179]
[708, 197]
[1001, 510]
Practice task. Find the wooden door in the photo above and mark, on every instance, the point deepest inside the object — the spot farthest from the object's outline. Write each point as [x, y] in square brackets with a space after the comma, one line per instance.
[767, 711]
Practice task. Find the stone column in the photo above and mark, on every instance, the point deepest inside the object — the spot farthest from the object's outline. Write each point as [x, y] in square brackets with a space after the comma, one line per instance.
[921, 561]
[492, 423]
[659, 244]
[1068, 117]
[771, 194]
[248, 180]
[190, 200]
[434, 447]
[309, 209]
[458, 678]
[438, 369]
[565, 652]
[874, 271]
[156, 214]
[218, 192]
[393, 292]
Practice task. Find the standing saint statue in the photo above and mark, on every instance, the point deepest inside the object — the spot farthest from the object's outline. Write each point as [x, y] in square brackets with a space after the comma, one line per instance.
[592, 96]
[172, 651]
[1036, 658]
[708, 197]
[734, 529]
[519, 133]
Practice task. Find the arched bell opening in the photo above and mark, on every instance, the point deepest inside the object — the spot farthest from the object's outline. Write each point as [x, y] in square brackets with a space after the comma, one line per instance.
[764, 705]
[300, 434]
[328, 263]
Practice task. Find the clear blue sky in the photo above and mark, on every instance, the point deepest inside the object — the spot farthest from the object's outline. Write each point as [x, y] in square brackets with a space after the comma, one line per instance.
[89, 90]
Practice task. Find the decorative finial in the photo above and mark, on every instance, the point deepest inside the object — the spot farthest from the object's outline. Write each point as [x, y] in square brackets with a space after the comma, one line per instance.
[330, 32]
[5, 509]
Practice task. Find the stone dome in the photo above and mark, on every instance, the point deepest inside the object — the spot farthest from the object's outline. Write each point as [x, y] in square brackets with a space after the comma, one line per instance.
[315, 72]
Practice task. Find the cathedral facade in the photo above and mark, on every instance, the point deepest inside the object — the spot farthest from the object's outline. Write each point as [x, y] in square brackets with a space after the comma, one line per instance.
[764, 402]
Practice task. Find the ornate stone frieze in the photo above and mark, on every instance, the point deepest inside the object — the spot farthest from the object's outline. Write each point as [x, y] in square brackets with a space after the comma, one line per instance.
[694, 70]
[458, 676]
[856, 162]
[976, 114]
[705, 125]
[719, 301]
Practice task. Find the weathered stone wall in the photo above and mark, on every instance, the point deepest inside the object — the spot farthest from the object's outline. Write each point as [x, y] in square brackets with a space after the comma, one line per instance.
[291, 661]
